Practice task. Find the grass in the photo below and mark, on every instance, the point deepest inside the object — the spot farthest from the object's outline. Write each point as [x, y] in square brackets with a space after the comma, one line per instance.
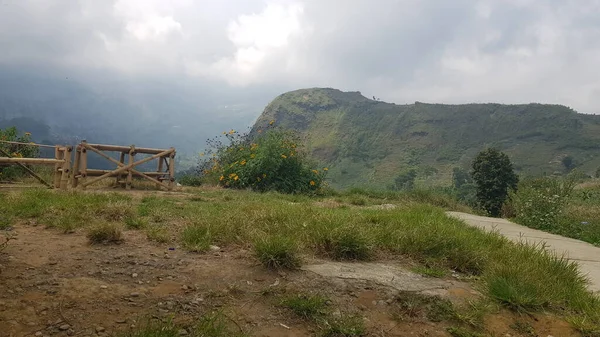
[5, 222]
[523, 328]
[105, 233]
[277, 252]
[134, 222]
[344, 326]
[410, 305]
[282, 228]
[215, 324]
[306, 306]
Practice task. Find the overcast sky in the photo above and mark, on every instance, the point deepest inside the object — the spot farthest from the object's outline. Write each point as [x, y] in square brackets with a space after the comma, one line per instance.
[459, 51]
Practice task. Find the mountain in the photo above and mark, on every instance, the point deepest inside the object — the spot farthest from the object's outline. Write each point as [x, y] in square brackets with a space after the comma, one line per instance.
[368, 142]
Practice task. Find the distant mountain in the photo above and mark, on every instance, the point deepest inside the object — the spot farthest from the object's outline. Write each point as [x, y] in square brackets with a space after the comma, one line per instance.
[368, 142]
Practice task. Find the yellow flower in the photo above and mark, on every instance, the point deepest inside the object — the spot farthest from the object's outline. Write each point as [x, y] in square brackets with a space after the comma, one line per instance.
[27, 134]
[258, 179]
[312, 183]
[252, 156]
[221, 178]
[325, 169]
[202, 154]
[236, 178]
[232, 131]
[243, 162]
[231, 175]
[264, 175]
[224, 132]
[283, 156]
[291, 154]
[272, 122]
[315, 171]
[259, 131]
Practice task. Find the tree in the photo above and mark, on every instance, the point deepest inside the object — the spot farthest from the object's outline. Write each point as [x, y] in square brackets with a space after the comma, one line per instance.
[569, 163]
[460, 177]
[494, 175]
[405, 180]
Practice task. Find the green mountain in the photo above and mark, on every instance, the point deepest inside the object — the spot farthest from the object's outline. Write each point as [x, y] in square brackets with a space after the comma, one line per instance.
[368, 142]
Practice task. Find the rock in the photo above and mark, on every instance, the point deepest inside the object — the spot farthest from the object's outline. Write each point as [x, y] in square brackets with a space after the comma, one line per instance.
[214, 248]
[134, 294]
[183, 332]
[184, 287]
[134, 275]
[337, 313]
[121, 321]
[103, 287]
[70, 332]
[64, 327]
[100, 329]
[38, 334]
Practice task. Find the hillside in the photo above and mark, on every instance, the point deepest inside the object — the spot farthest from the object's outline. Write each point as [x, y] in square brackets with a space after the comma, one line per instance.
[365, 141]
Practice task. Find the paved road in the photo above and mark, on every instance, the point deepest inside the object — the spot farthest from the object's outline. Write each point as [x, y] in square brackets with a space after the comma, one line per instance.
[587, 255]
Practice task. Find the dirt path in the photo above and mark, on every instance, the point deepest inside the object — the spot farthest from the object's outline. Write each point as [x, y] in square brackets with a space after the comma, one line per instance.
[586, 255]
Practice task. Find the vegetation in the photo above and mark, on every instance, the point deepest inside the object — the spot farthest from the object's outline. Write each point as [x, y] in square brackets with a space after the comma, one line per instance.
[494, 178]
[265, 161]
[214, 324]
[11, 134]
[306, 306]
[557, 205]
[367, 143]
[277, 252]
[105, 233]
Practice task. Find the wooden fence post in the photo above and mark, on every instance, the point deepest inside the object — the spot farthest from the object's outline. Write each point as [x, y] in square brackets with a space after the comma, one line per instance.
[58, 153]
[84, 163]
[172, 169]
[130, 171]
[66, 167]
[75, 170]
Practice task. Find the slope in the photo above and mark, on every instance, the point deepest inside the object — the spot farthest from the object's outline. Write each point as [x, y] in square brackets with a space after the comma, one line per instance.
[368, 142]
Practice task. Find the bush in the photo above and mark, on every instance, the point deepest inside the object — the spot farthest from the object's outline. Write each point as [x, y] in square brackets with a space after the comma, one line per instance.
[277, 252]
[191, 180]
[15, 150]
[348, 244]
[540, 202]
[306, 306]
[196, 238]
[269, 161]
[105, 233]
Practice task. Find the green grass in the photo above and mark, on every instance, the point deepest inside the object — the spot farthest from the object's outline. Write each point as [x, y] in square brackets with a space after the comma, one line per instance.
[105, 233]
[196, 238]
[523, 328]
[215, 324]
[410, 305]
[430, 271]
[282, 228]
[134, 222]
[344, 326]
[306, 306]
[277, 252]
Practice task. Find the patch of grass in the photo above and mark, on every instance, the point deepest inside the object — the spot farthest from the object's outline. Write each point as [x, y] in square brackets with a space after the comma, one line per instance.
[410, 305]
[217, 324]
[472, 313]
[196, 238]
[105, 233]
[348, 244]
[523, 328]
[463, 332]
[344, 326]
[538, 281]
[357, 200]
[134, 222]
[277, 252]
[5, 222]
[306, 306]
[154, 329]
[158, 233]
[430, 271]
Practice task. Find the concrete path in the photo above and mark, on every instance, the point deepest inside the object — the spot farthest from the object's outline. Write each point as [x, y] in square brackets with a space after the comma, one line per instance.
[585, 254]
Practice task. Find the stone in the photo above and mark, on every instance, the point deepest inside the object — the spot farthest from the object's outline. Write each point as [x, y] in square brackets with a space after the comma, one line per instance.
[134, 275]
[100, 329]
[184, 287]
[121, 321]
[214, 248]
[38, 334]
[183, 332]
[103, 287]
[135, 294]
[64, 327]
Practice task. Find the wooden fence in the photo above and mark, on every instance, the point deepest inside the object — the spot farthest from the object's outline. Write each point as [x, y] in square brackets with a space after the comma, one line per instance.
[80, 176]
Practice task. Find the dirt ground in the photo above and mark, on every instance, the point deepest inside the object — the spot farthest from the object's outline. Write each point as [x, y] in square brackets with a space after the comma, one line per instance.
[54, 284]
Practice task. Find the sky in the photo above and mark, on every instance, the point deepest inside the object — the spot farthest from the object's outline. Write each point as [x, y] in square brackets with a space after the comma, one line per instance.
[401, 51]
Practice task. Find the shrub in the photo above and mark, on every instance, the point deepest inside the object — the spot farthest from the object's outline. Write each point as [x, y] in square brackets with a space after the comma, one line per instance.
[133, 222]
[269, 161]
[277, 252]
[105, 233]
[15, 150]
[493, 175]
[191, 180]
[540, 202]
[348, 244]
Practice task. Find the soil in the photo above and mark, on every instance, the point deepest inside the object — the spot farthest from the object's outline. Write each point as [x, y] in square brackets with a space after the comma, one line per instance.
[54, 284]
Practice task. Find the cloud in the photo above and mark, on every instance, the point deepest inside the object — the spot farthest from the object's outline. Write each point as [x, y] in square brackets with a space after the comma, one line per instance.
[507, 51]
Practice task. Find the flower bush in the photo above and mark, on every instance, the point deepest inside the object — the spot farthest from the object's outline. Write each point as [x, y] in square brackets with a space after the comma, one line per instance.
[263, 161]
[540, 202]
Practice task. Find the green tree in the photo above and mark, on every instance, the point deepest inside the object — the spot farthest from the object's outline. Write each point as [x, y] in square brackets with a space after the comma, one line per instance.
[598, 173]
[569, 163]
[8, 139]
[405, 180]
[460, 177]
[494, 176]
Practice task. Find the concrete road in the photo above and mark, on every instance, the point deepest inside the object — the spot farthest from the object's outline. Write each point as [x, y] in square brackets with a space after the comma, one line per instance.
[585, 254]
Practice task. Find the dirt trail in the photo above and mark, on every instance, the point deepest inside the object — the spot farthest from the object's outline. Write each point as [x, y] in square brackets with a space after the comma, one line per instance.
[586, 255]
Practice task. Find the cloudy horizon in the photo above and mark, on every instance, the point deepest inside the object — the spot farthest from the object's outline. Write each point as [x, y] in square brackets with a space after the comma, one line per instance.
[401, 51]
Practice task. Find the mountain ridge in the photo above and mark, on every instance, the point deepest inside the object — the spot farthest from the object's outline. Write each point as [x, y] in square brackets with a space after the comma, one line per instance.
[368, 142]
